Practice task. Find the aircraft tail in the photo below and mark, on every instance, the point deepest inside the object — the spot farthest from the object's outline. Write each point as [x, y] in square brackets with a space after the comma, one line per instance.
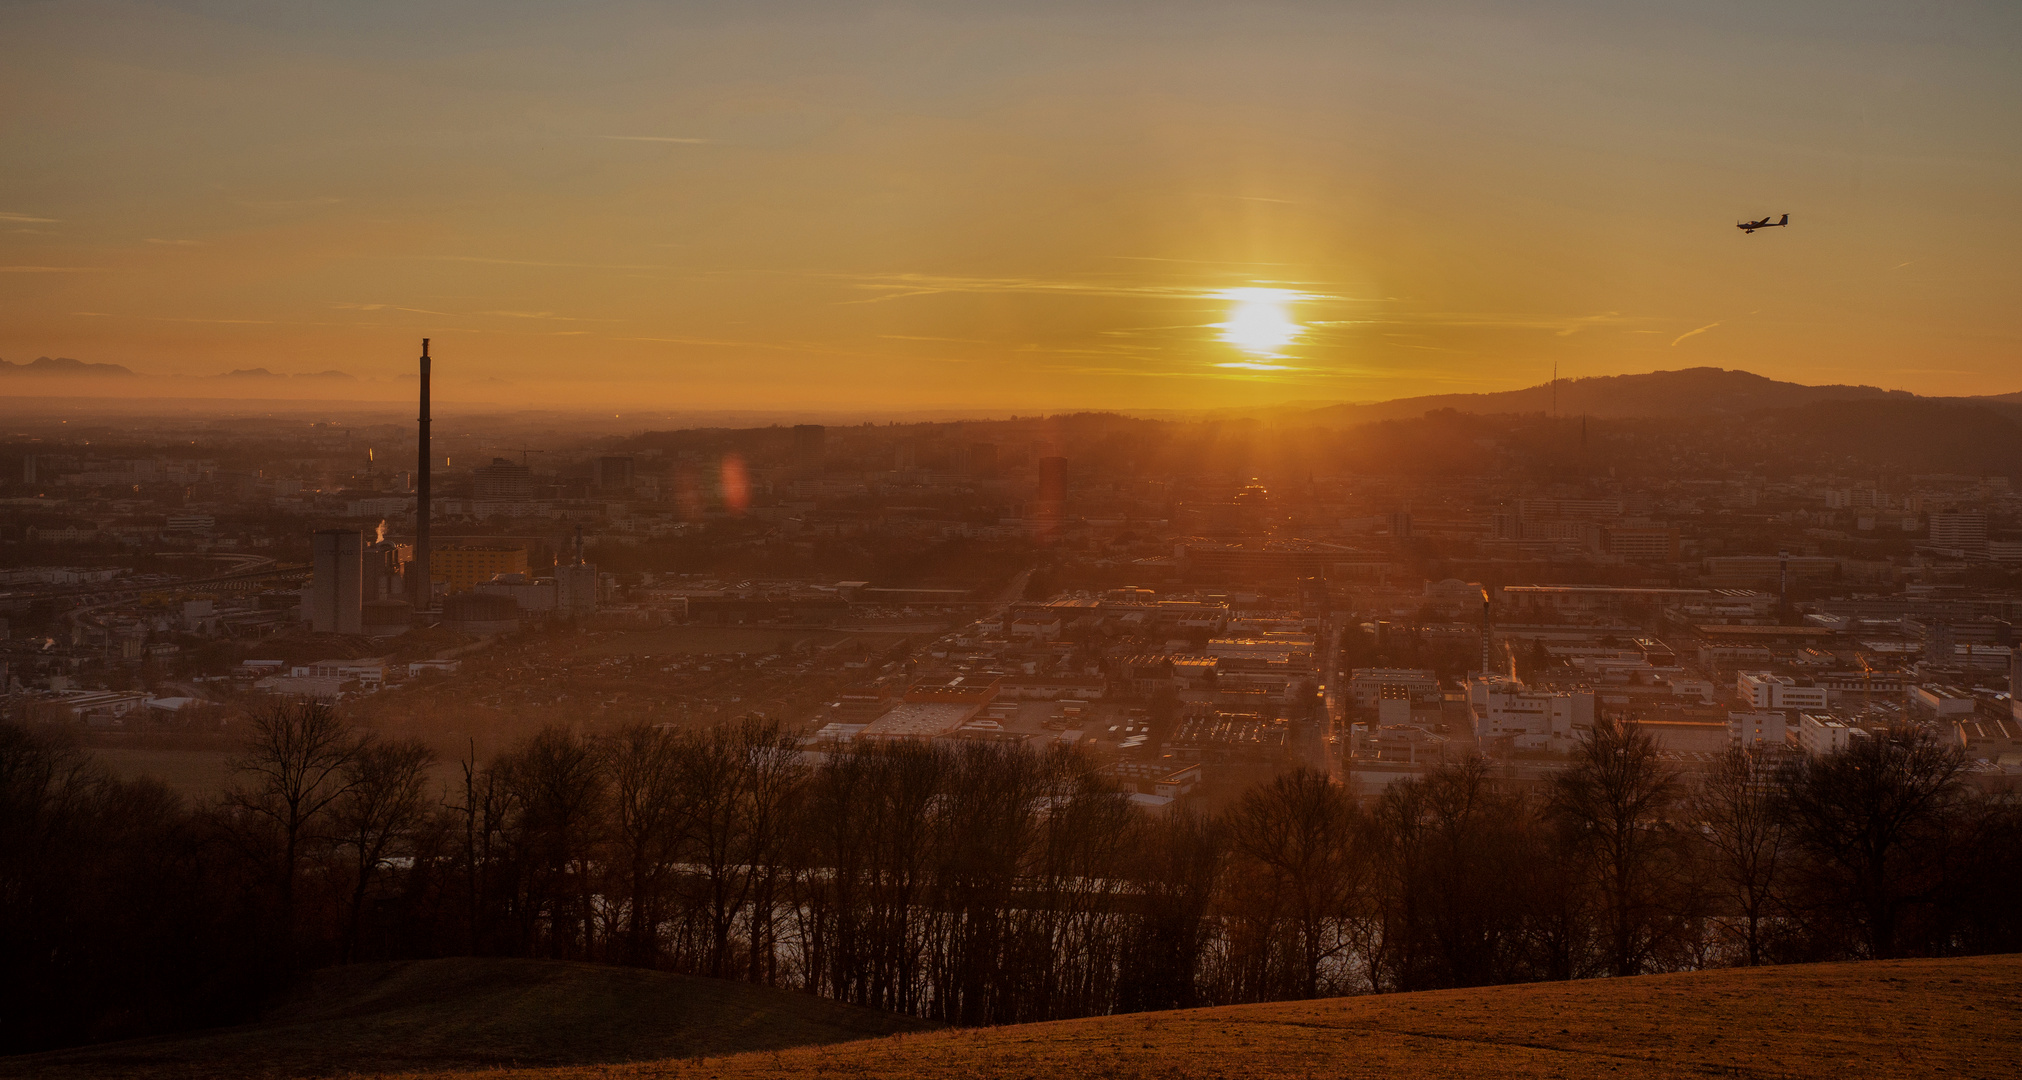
[1785, 221]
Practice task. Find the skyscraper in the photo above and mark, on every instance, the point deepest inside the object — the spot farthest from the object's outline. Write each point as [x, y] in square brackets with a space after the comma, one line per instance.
[613, 474]
[337, 582]
[502, 479]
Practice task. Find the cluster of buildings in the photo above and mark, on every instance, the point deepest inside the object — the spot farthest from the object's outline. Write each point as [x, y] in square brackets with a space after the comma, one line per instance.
[1211, 609]
[361, 586]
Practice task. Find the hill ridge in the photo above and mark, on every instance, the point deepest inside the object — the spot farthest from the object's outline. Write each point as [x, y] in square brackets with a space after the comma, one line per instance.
[1655, 394]
[1876, 1020]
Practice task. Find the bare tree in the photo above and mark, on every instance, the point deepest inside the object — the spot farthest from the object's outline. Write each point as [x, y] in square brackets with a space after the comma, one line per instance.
[714, 783]
[384, 799]
[988, 830]
[776, 783]
[645, 766]
[1176, 865]
[557, 783]
[1873, 819]
[292, 767]
[861, 889]
[485, 809]
[1298, 833]
[1736, 807]
[1454, 855]
[1614, 799]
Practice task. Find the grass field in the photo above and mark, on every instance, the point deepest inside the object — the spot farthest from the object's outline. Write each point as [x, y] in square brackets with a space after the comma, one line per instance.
[1920, 1018]
[431, 1015]
[1943, 1018]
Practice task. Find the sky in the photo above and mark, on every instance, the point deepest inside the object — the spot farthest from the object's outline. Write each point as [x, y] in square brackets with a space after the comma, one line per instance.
[895, 206]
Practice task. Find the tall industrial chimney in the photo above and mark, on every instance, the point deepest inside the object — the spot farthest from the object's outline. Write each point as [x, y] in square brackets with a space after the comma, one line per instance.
[417, 571]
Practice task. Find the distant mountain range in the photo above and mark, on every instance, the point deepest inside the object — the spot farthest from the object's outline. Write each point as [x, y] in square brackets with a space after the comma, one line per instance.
[65, 367]
[1702, 393]
[263, 373]
[1657, 395]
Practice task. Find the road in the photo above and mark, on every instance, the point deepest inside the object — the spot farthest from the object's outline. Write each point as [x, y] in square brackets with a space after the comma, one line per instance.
[1336, 681]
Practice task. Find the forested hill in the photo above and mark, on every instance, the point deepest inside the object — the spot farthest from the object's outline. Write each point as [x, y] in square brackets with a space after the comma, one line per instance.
[1693, 392]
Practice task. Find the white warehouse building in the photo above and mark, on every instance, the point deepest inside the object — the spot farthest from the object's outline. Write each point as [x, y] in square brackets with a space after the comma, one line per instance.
[1761, 690]
[1531, 719]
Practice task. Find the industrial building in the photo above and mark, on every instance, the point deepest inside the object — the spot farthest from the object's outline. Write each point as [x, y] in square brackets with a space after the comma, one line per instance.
[463, 567]
[336, 601]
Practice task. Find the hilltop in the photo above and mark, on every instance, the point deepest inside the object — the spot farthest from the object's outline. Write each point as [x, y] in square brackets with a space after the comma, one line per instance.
[481, 1013]
[1890, 1020]
[1705, 391]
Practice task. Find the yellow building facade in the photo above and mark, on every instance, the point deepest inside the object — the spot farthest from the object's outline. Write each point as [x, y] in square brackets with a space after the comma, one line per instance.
[464, 566]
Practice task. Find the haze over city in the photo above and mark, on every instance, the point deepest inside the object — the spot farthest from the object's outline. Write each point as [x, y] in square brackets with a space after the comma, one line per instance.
[1010, 206]
[1181, 541]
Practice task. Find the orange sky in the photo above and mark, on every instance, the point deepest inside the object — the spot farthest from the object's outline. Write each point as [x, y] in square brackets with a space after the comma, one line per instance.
[897, 206]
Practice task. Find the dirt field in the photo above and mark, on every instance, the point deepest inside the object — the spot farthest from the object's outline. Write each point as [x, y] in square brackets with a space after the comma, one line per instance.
[1950, 1018]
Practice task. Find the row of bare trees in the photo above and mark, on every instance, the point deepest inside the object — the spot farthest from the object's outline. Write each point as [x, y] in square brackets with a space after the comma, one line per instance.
[972, 884]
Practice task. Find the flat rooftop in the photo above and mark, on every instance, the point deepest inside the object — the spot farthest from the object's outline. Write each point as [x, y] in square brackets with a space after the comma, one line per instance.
[920, 720]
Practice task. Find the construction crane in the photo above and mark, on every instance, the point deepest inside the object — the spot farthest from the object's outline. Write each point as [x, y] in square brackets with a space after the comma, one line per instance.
[1867, 688]
[522, 451]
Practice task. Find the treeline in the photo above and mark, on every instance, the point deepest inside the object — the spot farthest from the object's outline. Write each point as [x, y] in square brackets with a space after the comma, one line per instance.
[970, 883]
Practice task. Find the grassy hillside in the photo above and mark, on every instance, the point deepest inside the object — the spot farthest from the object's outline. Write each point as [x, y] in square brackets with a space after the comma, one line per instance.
[478, 1013]
[1895, 1020]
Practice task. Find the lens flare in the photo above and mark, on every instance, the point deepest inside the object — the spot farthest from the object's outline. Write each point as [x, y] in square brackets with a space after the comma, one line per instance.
[736, 485]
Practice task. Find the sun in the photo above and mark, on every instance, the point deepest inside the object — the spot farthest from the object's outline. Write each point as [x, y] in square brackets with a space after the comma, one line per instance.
[1260, 322]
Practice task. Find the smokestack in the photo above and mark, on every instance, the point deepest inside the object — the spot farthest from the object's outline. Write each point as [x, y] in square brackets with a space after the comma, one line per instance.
[419, 587]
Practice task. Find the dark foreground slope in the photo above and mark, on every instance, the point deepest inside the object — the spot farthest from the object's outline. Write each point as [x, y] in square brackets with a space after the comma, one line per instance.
[475, 1013]
[1895, 1020]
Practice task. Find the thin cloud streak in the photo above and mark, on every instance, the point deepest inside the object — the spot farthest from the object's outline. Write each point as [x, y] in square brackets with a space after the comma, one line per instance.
[1691, 333]
[533, 262]
[547, 315]
[905, 285]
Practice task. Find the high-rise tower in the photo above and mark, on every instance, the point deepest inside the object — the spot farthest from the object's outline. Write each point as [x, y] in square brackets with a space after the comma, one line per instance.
[336, 584]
